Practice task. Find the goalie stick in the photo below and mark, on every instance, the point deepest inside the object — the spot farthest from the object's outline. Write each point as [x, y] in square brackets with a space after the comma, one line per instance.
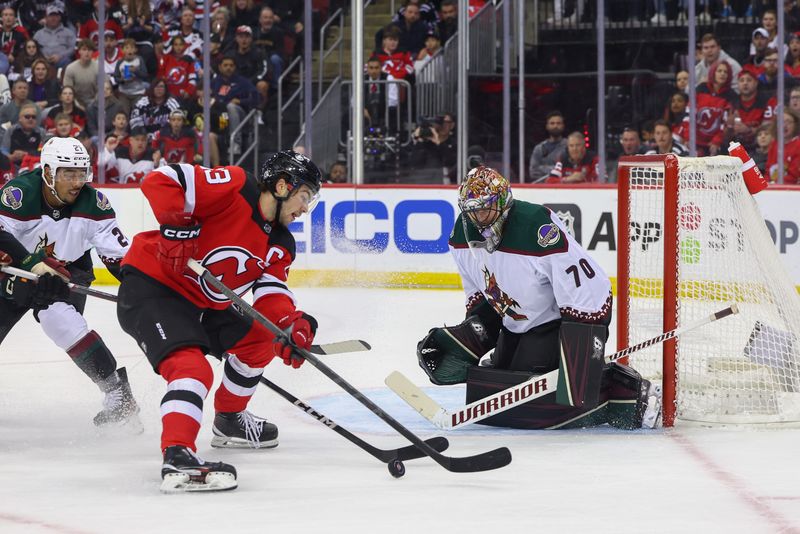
[493, 459]
[385, 455]
[527, 391]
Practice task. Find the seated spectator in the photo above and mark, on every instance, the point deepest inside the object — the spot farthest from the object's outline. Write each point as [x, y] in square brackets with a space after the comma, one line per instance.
[577, 164]
[138, 22]
[791, 149]
[91, 28]
[64, 127]
[129, 164]
[120, 129]
[42, 89]
[268, 37]
[220, 28]
[794, 98]
[665, 142]
[12, 35]
[177, 142]
[184, 28]
[251, 62]
[24, 60]
[57, 41]
[448, 20]
[751, 109]
[112, 54]
[81, 74]
[66, 104]
[236, 93]
[411, 31]
[434, 150]
[218, 128]
[629, 142]
[112, 107]
[546, 154]
[682, 81]
[792, 62]
[427, 13]
[769, 21]
[714, 109]
[675, 113]
[337, 174]
[432, 46]
[761, 152]
[768, 79]
[244, 13]
[152, 111]
[712, 53]
[168, 13]
[131, 75]
[25, 137]
[177, 69]
[758, 50]
[9, 112]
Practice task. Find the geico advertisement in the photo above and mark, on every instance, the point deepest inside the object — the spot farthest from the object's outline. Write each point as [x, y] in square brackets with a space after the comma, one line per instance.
[406, 230]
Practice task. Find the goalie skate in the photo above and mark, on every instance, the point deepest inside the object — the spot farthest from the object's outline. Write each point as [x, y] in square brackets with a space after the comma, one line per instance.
[243, 430]
[184, 471]
[652, 414]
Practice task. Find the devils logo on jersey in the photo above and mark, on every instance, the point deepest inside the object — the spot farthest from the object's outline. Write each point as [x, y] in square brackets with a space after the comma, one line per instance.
[235, 267]
[176, 76]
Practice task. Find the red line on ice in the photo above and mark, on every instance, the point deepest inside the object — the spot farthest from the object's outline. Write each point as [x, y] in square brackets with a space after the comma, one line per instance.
[19, 520]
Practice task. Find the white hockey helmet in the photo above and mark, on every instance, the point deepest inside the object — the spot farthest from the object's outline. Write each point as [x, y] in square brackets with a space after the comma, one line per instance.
[64, 152]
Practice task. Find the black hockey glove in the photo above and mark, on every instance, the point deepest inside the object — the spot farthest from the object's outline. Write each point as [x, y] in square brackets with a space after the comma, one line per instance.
[38, 294]
[446, 353]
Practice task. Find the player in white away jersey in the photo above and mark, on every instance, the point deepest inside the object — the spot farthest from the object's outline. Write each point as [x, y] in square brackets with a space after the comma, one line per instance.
[540, 302]
[56, 219]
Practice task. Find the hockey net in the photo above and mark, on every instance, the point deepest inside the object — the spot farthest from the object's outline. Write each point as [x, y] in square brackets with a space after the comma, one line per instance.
[693, 241]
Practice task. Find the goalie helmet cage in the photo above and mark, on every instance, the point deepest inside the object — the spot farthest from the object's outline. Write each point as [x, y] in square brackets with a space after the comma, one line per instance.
[692, 241]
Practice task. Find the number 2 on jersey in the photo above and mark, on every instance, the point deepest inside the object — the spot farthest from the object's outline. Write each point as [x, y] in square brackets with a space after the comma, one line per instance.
[585, 267]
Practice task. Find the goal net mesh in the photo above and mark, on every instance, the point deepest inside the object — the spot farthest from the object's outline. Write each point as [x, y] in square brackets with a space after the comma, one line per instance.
[739, 370]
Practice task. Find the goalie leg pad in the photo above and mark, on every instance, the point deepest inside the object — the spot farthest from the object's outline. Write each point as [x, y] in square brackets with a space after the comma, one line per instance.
[581, 363]
[634, 402]
[446, 353]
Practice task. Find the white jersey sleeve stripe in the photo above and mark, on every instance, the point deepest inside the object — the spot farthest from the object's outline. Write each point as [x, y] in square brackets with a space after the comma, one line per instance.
[265, 290]
[183, 175]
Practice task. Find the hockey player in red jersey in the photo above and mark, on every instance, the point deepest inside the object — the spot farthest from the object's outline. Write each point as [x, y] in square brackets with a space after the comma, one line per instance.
[237, 228]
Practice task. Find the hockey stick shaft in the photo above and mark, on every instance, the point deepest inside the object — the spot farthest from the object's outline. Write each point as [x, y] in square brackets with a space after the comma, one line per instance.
[480, 462]
[75, 288]
[385, 455]
[522, 393]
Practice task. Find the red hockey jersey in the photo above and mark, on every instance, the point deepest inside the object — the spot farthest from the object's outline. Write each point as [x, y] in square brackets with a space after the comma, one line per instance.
[713, 111]
[236, 244]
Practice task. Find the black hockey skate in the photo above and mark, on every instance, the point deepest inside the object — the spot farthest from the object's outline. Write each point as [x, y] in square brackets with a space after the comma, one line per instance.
[119, 406]
[184, 471]
[240, 430]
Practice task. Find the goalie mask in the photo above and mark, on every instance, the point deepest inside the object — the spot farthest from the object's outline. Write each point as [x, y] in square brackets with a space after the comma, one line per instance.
[485, 199]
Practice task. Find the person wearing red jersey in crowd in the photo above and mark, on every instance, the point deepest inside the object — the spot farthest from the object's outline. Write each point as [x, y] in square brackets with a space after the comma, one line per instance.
[177, 142]
[792, 60]
[119, 128]
[751, 110]
[129, 164]
[714, 109]
[396, 63]
[177, 69]
[675, 114]
[576, 164]
[66, 105]
[791, 149]
[64, 127]
[7, 170]
[237, 228]
[91, 28]
[12, 35]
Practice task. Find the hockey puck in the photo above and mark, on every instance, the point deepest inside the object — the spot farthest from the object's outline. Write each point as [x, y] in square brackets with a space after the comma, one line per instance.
[396, 468]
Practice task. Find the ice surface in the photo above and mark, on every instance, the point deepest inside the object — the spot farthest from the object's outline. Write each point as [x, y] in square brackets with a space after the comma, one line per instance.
[57, 474]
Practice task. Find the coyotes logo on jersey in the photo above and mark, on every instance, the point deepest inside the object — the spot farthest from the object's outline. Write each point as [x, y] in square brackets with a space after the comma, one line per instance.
[498, 298]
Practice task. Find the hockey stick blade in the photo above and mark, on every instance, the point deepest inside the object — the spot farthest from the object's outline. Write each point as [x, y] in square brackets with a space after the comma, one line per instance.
[480, 462]
[522, 393]
[75, 288]
[341, 347]
[384, 455]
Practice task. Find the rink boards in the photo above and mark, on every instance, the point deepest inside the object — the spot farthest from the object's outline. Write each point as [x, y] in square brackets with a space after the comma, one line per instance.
[396, 236]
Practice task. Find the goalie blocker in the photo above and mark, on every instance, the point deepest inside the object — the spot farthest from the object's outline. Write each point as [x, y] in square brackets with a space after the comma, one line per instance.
[589, 392]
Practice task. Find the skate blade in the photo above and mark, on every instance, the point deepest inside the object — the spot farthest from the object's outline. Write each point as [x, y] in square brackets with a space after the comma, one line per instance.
[224, 442]
[182, 483]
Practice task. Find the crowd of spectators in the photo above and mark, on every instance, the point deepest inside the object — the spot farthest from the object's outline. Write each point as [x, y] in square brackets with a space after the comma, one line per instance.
[736, 100]
[50, 53]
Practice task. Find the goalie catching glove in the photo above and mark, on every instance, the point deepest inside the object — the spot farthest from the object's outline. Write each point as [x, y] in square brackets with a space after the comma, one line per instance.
[446, 353]
[299, 327]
